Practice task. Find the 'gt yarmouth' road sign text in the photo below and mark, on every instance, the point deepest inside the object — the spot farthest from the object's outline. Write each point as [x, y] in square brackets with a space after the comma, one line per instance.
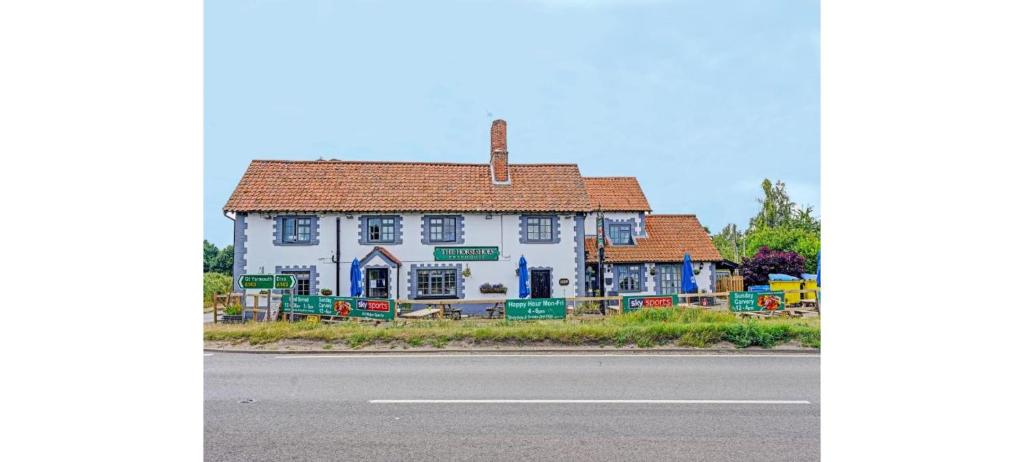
[266, 281]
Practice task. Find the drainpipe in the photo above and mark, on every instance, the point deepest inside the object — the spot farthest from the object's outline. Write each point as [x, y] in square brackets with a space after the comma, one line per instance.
[337, 256]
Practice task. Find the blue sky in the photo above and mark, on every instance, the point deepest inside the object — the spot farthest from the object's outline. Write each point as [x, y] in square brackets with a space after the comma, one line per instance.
[699, 100]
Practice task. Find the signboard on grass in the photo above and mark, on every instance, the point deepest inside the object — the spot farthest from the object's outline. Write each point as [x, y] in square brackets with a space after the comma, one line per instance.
[348, 307]
[638, 302]
[756, 301]
[534, 308]
[466, 253]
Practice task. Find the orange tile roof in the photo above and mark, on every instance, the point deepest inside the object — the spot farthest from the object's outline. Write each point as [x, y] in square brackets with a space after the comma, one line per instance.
[385, 252]
[668, 238]
[356, 186]
[616, 194]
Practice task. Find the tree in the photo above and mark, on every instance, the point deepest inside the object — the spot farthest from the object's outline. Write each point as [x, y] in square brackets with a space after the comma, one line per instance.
[209, 253]
[776, 208]
[729, 242]
[755, 270]
[803, 218]
[224, 262]
[805, 242]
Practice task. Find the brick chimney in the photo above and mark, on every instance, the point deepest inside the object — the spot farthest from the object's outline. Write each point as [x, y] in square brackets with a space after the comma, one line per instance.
[499, 153]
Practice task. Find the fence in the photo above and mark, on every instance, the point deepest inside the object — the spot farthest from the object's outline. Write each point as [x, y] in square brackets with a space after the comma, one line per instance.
[729, 284]
[576, 307]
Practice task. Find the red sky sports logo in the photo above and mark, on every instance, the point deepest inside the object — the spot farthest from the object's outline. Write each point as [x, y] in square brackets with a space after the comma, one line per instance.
[374, 305]
[650, 302]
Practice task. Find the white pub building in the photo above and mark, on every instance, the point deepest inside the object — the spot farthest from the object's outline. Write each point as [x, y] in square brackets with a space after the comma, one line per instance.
[432, 230]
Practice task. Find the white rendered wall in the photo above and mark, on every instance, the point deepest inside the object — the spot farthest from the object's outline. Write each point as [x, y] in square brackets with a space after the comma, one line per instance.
[262, 255]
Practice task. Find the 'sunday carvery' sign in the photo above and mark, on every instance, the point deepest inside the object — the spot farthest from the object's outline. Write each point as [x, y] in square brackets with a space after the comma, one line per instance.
[348, 307]
[756, 301]
[635, 303]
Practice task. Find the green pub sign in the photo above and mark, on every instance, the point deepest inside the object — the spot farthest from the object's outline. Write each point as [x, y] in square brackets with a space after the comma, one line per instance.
[347, 307]
[466, 253]
[534, 308]
[756, 301]
[639, 302]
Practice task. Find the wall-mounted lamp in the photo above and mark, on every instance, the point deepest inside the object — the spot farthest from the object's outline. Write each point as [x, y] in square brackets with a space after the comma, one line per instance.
[348, 216]
[488, 216]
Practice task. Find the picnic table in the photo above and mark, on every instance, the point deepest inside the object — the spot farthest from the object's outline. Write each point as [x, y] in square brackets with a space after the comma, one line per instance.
[421, 313]
[497, 309]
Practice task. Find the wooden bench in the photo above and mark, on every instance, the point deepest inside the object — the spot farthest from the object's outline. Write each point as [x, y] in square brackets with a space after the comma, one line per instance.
[497, 309]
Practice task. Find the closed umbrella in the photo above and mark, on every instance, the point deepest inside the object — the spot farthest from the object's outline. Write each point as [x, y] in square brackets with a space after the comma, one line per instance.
[523, 274]
[355, 279]
[818, 281]
[689, 282]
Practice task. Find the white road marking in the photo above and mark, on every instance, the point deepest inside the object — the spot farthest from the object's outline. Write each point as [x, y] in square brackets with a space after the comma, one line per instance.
[585, 401]
[207, 354]
[553, 355]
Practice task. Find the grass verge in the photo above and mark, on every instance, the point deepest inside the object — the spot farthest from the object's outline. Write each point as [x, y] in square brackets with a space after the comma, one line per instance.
[645, 329]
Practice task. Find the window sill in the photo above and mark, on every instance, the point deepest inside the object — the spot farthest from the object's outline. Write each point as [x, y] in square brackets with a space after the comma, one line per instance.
[437, 297]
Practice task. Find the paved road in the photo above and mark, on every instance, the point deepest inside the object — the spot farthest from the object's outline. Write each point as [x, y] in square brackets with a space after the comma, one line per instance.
[321, 408]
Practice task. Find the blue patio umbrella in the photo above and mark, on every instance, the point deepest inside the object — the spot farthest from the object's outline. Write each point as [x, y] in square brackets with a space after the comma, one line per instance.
[355, 279]
[818, 281]
[689, 282]
[523, 274]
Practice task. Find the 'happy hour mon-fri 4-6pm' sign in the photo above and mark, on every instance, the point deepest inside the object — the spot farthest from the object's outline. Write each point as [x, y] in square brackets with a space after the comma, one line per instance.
[348, 307]
[638, 302]
[756, 301]
[534, 308]
[266, 281]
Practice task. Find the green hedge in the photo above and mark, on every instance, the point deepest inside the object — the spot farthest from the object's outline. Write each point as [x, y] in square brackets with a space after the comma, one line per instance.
[215, 283]
[647, 328]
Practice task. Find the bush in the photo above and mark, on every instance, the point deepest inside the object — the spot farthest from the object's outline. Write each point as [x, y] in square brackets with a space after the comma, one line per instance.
[215, 283]
[766, 261]
[233, 310]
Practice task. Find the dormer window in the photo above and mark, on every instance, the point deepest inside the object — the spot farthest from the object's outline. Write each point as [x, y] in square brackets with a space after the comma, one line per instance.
[621, 234]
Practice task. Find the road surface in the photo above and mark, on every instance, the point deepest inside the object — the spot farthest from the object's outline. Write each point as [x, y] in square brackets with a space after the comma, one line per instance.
[516, 408]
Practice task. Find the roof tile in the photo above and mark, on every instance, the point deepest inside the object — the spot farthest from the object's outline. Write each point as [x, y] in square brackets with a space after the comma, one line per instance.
[668, 238]
[355, 186]
[616, 194]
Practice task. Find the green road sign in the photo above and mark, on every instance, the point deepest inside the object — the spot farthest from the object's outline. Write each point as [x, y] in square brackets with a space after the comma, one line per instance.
[756, 301]
[256, 281]
[266, 281]
[638, 302]
[534, 308]
[466, 253]
[348, 307]
[284, 281]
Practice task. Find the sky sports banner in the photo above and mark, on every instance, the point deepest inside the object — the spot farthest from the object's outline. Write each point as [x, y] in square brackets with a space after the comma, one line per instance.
[636, 303]
[347, 307]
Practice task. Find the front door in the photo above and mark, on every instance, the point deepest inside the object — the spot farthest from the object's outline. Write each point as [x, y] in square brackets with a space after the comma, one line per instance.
[540, 283]
[377, 283]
